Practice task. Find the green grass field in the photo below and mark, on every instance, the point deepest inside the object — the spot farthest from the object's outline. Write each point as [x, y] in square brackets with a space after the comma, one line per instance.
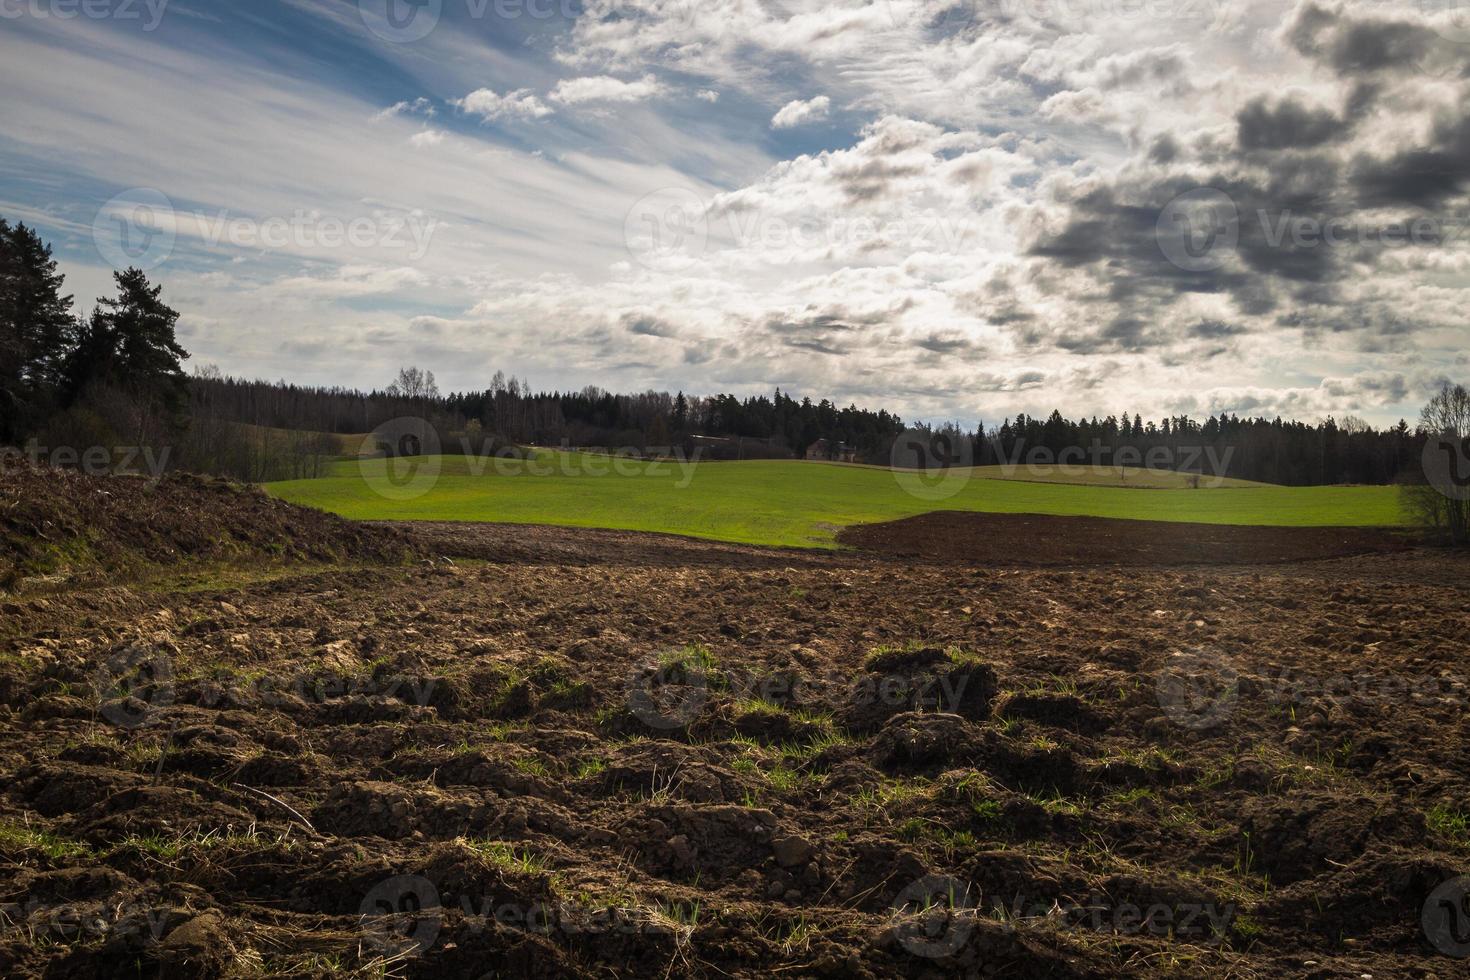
[787, 502]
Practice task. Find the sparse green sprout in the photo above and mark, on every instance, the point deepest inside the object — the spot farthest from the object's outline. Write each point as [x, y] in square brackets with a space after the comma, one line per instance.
[912, 829]
[1247, 927]
[758, 706]
[531, 766]
[20, 837]
[684, 915]
[1054, 802]
[507, 857]
[986, 811]
[797, 936]
[694, 657]
[799, 752]
[1453, 825]
[783, 780]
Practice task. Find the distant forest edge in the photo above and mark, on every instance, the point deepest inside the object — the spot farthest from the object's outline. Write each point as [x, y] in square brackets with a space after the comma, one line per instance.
[780, 426]
[113, 379]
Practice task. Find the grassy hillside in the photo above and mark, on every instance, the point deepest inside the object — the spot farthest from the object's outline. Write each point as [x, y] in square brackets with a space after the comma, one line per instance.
[787, 502]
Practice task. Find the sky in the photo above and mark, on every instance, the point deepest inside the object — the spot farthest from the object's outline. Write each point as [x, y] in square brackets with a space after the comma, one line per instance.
[954, 210]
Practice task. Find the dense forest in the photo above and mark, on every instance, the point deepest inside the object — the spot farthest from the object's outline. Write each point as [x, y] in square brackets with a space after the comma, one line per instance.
[114, 379]
[1271, 450]
[510, 410]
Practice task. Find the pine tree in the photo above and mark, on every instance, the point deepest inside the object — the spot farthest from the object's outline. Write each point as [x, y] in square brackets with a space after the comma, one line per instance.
[36, 327]
[130, 343]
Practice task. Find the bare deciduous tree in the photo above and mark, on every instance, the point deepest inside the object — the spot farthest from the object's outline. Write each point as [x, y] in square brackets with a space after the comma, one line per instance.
[415, 385]
[1442, 501]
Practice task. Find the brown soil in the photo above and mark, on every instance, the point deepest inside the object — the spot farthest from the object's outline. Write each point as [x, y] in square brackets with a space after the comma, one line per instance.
[70, 525]
[538, 544]
[589, 754]
[1035, 540]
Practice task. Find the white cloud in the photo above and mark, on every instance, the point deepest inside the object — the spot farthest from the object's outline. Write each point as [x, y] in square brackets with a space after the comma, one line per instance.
[605, 88]
[352, 281]
[883, 270]
[520, 104]
[419, 106]
[798, 112]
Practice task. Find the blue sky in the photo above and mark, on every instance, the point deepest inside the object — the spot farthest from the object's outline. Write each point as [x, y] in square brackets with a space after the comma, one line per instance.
[955, 209]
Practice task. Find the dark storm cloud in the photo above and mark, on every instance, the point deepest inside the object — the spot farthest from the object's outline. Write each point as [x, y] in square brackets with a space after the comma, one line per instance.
[1215, 330]
[1125, 237]
[871, 179]
[1423, 177]
[946, 344]
[1164, 149]
[819, 332]
[1008, 316]
[1287, 124]
[1378, 321]
[1313, 198]
[1352, 46]
[821, 323]
[817, 346]
[647, 325]
[1125, 334]
[1383, 388]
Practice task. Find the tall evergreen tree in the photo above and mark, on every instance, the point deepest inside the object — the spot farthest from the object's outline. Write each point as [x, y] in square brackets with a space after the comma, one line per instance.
[130, 343]
[35, 328]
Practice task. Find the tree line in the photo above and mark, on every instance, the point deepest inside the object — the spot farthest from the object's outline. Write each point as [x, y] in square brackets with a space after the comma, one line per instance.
[1269, 450]
[109, 377]
[114, 377]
